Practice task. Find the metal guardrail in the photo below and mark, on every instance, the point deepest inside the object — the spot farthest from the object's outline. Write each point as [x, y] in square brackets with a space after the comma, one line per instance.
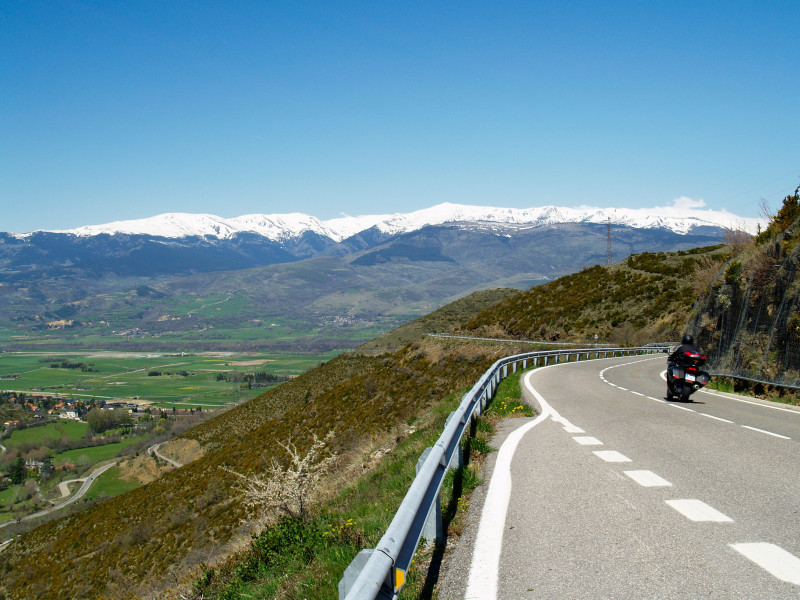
[380, 573]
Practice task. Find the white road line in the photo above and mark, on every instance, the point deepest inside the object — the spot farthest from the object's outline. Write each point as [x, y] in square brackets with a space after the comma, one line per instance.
[697, 510]
[588, 440]
[483, 573]
[568, 427]
[683, 408]
[647, 479]
[717, 418]
[777, 435]
[771, 558]
[789, 410]
[611, 456]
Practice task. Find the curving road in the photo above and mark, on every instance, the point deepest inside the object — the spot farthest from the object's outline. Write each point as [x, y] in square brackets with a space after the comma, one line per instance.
[154, 450]
[86, 483]
[613, 492]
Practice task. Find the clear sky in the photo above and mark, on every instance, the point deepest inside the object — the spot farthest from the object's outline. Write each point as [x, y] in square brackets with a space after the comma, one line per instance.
[122, 110]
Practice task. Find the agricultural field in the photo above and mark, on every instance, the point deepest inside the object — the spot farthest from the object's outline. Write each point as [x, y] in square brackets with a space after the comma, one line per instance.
[36, 436]
[207, 380]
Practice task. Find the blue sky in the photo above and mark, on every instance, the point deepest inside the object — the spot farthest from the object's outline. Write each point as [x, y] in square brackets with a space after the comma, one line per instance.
[123, 110]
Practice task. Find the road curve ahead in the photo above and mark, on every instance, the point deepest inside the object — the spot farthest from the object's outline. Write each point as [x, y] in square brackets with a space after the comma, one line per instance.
[612, 492]
[85, 485]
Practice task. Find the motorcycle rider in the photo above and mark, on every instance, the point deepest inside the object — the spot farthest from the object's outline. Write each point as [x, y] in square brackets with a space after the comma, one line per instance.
[687, 345]
[676, 359]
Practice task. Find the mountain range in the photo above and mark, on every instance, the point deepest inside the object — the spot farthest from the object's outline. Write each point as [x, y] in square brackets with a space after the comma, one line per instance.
[279, 227]
[155, 273]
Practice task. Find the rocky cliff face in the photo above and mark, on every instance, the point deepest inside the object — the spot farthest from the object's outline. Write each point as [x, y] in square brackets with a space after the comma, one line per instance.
[749, 321]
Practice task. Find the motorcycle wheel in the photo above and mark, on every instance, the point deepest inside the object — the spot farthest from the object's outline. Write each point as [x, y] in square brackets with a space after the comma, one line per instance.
[686, 392]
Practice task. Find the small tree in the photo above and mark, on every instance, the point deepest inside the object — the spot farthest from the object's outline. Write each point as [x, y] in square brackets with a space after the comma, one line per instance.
[47, 469]
[288, 490]
[18, 472]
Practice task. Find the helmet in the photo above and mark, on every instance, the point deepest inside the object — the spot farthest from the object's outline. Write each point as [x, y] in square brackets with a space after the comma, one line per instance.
[687, 339]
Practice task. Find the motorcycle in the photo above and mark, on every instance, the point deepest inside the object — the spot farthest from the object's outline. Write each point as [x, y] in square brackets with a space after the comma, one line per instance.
[684, 376]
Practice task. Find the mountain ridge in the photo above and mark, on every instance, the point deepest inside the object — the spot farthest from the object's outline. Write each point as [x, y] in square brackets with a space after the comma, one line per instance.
[679, 218]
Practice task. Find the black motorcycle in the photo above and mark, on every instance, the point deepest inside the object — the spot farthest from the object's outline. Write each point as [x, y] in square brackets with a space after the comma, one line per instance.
[684, 376]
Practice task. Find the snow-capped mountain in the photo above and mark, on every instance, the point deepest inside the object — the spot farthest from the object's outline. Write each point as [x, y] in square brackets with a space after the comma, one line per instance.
[281, 227]
[298, 265]
[177, 244]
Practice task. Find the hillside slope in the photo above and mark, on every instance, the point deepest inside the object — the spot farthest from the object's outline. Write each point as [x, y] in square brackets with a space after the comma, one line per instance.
[749, 322]
[645, 298]
[135, 544]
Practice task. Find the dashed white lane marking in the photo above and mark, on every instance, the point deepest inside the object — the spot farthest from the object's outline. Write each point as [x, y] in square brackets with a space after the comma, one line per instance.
[683, 408]
[611, 456]
[717, 418]
[697, 510]
[647, 479]
[771, 558]
[777, 435]
[587, 440]
[568, 427]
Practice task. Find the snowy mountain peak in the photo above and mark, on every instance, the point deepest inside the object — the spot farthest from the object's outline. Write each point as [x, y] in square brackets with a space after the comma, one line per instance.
[681, 217]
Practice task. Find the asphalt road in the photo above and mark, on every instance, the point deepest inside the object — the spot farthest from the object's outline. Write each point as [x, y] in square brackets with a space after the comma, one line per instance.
[85, 485]
[615, 493]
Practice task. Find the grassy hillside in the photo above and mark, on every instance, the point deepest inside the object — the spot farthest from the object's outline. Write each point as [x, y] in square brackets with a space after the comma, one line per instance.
[645, 298]
[371, 399]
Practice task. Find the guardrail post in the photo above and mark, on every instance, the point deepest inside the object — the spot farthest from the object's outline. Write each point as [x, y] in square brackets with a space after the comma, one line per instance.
[433, 530]
[457, 460]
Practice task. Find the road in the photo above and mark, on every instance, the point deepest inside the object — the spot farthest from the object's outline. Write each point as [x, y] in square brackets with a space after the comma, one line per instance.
[613, 492]
[87, 482]
[154, 450]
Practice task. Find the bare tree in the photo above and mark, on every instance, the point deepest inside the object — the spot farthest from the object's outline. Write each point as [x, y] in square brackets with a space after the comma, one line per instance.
[738, 240]
[288, 490]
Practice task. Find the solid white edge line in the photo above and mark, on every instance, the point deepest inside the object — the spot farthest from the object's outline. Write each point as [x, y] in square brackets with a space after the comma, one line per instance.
[777, 435]
[789, 410]
[774, 559]
[483, 574]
